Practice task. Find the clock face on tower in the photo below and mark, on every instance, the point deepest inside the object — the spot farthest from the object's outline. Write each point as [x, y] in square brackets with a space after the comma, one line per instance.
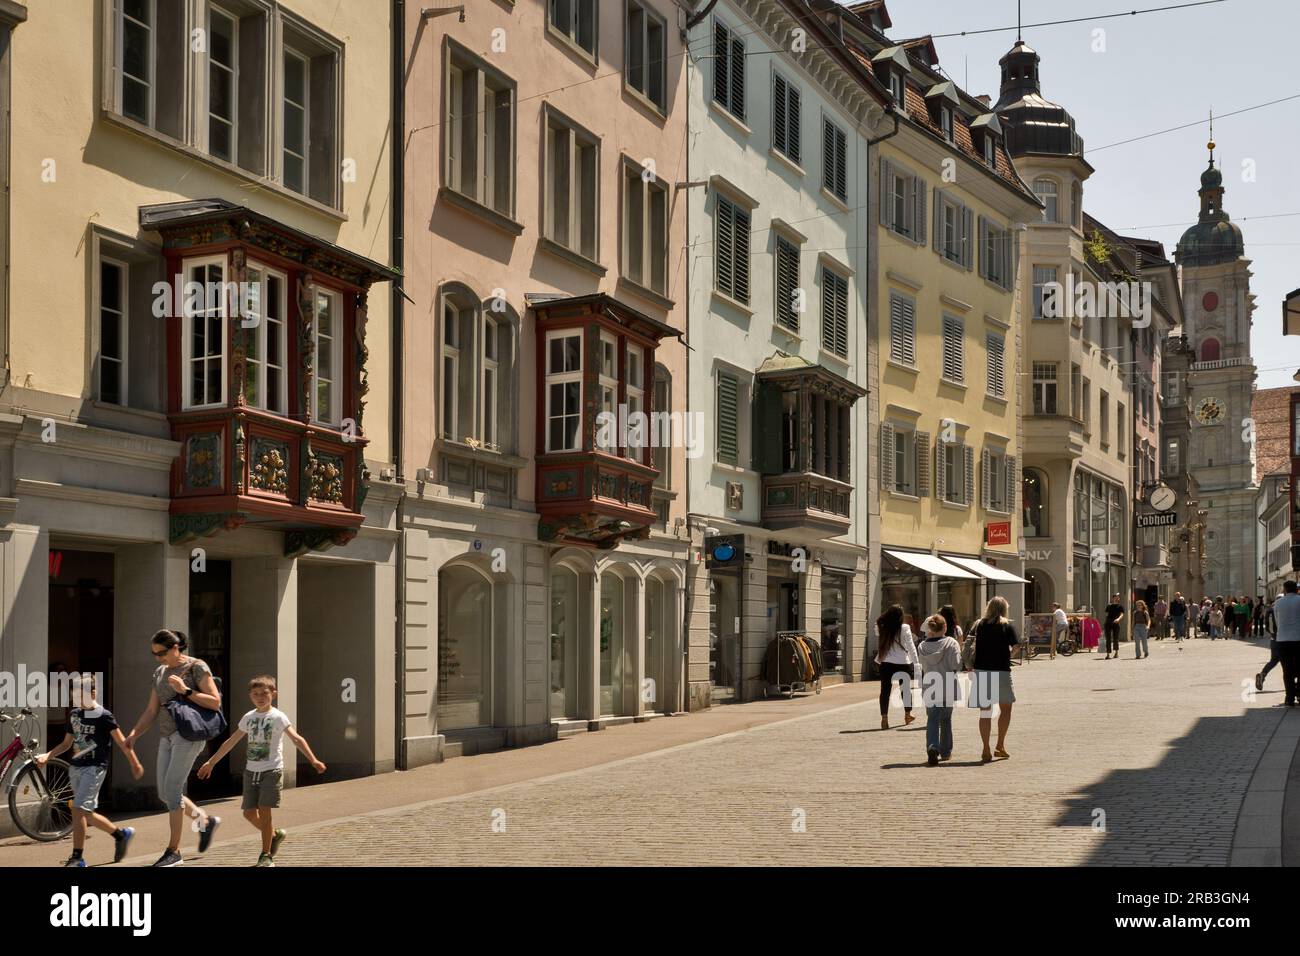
[1210, 411]
[1210, 301]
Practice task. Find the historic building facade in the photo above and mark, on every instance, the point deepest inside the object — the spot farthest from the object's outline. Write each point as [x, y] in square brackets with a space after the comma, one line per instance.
[778, 187]
[1220, 450]
[195, 412]
[544, 556]
[1077, 478]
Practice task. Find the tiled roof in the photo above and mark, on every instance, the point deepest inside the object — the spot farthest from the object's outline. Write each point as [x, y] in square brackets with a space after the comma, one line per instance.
[1271, 410]
[919, 112]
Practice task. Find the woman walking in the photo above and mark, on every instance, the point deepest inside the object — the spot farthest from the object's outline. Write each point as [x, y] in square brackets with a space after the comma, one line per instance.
[896, 655]
[950, 622]
[940, 657]
[190, 678]
[994, 638]
[1141, 627]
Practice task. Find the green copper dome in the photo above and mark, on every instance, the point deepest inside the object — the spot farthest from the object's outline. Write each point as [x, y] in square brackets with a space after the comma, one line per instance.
[1214, 239]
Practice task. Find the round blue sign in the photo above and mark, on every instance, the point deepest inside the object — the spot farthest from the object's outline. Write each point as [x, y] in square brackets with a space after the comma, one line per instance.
[724, 552]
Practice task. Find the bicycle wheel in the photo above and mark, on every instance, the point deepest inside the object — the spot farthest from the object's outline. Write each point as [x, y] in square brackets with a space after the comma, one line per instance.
[41, 800]
[1065, 649]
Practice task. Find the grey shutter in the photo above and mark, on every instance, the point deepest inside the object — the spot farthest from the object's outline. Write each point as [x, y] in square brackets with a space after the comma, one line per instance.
[886, 457]
[897, 342]
[835, 313]
[738, 77]
[922, 452]
[1013, 485]
[779, 121]
[936, 240]
[887, 194]
[728, 412]
[952, 349]
[940, 468]
[793, 135]
[828, 156]
[787, 281]
[968, 472]
[769, 431]
[740, 256]
[724, 254]
[986, 479]
[967, 240]
[985, 271]
[721, 48]
[841, 162]
[919, 198]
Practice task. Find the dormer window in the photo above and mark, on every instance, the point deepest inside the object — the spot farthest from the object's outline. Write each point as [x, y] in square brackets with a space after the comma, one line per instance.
[990, 149]
[945, 121]
[897, 85]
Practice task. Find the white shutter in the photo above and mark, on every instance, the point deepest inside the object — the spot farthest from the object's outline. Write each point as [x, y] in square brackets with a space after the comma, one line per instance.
[919, 190]
[968, 473]
[886, 457]
[921, 449]
[940, 469]
[986, 477]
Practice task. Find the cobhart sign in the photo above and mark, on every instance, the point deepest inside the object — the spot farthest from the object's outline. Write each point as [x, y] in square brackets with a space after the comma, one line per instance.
[1165, 519]
[999, 532]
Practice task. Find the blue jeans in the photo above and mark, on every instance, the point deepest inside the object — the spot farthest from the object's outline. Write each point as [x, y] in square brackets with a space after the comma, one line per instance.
[176, 757]
[1180, 627]
[938, 730]
[1140, 640]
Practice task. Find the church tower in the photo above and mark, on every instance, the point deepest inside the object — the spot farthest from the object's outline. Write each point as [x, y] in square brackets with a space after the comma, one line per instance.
[1217, 305]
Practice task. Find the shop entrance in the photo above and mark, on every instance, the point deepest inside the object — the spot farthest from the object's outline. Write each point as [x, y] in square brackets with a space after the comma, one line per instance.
[81, 630]
[724, 634]
[782, 601]
[210, 640]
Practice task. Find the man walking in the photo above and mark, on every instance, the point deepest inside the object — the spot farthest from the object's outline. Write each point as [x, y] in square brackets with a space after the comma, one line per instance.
[1114, 614]
[1060, 626]
[1287, 612]
[1178, 614]
[1161, 611]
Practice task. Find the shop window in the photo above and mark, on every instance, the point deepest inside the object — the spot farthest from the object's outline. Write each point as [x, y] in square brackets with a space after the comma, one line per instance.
[834, 636]
[1035, 503]
[572, 186]
[647, 54]
[564, 653]
[465, 626]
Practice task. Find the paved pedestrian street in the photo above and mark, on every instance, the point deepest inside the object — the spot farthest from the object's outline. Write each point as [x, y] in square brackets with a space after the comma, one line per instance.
[1112, 762]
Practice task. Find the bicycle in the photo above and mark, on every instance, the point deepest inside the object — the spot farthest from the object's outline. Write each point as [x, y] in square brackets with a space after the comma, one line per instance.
[40, 799]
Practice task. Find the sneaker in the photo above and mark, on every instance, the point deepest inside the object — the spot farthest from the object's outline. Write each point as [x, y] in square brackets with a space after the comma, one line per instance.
[1259, 682]
[265, 860]
[205, 835]
[123, 839]
[277, 840]
[170, 858]
[74, 861]
[932, 757]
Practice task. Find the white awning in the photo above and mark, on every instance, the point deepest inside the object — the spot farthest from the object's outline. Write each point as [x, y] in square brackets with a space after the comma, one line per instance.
[985, 570]
[930, 564]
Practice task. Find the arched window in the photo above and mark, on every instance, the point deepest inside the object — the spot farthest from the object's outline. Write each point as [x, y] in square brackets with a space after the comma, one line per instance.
[1034, 497]
[1047, 190]
[478, 368]
[1210, 350]
[1039, 592]
[465, 626]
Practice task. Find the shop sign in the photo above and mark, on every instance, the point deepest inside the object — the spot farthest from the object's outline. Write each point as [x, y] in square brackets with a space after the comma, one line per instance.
[1163, 519]
[783, 550]
[1041, 554]
[999, 532]
[723, 551]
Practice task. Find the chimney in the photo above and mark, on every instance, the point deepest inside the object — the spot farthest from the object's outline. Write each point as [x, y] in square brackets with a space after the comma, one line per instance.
[985, 100]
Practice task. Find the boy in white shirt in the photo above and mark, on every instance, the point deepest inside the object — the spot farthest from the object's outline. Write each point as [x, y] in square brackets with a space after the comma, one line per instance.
[265, 727]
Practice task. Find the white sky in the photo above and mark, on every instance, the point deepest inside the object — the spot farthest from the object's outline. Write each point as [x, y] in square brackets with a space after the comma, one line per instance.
[1160, 70]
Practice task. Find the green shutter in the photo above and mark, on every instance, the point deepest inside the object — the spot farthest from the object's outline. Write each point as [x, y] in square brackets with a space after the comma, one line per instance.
[768, 433]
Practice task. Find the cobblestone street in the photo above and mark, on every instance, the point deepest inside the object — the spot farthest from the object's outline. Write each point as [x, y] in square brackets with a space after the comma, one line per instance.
[1164, 748]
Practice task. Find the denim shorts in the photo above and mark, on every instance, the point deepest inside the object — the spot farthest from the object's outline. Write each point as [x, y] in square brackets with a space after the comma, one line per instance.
[86, 782]
[176, 757]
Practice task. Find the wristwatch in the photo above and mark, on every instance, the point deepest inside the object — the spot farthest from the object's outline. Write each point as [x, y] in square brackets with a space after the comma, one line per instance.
[187, 692]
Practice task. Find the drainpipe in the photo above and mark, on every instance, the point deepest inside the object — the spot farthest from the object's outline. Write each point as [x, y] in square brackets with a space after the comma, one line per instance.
[398, 146]
[684, 676]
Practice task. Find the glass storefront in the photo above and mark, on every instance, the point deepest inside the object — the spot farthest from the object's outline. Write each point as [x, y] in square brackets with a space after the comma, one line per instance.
[724, 633]
[907, 590]
[564, 644]
[612, 665]
[835, 603]
[658, 627]
[964, 596]
[464, 649]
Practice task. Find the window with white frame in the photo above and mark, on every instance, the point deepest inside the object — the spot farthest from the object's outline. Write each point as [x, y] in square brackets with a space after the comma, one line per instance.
[1076, 204]
[223, 83]
[577, 20]
[204, 332]
[457, 328]
[480, 109]
[607, 381]
[954, 352]
[114, 323]
[997, 479]
[835, 312]
[572, 186]
[902, 329]
[636, 439]
[645, 229]
[493, 336]
[952, 229]
[902, 201]
[263, 320]
[294, 159]
[954, 482]
[1105, 419]
[327, 335]
[997, 253]
[477, 362]
[904, 458]
[945, 121]
[786, 116]
[1043, 277]
[311, 92]
[996, 346]
[897, 87]
[728, 69]
[663, 405]
[731, 264]
[563, 390]
[990, 149]
[1172, 457]
[1044, 375]
[1046, 190]
[150, 41]
[647, 53]
[835, 177]
[788, 292]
